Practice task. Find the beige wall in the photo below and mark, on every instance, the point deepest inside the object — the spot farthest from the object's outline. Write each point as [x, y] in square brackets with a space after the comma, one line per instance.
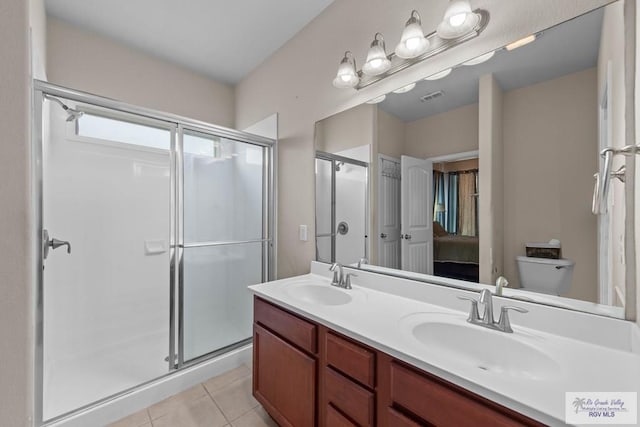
[491, 212]
[454, 131]
[550, 146]
[346, 130]
[296, 82]
[86, 61]
[16, 279]
[391, 135]
[611, 67]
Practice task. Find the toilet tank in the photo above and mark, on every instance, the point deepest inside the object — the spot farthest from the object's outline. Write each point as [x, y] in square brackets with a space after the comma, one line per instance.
[549, 276]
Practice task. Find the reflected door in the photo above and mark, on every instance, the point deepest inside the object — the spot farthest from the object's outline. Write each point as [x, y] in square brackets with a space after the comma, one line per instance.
[106, 191]
[389, 212]
[224, 241]
[417, 215]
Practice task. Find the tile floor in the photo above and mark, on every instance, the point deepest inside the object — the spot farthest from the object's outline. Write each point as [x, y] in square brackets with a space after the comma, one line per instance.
[225, 400]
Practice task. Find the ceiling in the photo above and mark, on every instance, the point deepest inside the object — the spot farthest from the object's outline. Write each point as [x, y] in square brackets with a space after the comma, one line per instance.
[567, 48]
[222, 39]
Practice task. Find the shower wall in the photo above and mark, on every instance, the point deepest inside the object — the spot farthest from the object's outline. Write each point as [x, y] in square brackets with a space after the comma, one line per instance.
[106, 304]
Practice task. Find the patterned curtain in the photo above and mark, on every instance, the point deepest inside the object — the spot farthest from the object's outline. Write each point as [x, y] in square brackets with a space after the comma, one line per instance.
[451, 204]
[467, 196]
[439, 206]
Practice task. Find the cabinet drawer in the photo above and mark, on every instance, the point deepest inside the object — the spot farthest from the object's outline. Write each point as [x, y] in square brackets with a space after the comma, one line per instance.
[336, 419]
[351, 399]
[443, 405]
[396, 419]
[351, 359]
[288, 326]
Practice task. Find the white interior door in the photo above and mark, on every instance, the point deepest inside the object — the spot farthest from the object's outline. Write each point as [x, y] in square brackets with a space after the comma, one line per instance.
[388, 212]
[417, 215]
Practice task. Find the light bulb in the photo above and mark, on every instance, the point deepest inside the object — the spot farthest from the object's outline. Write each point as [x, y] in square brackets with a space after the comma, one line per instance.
[457, 20]
[413, 42]
[377, 61]
[346, 76]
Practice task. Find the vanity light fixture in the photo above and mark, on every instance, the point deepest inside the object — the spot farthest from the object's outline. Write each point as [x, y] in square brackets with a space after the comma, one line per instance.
[377, 100]
[458, 20]
[480, 59]
[519, 43]
[459, 25]
[347, 76]
[377, 61]
[439, 75]
[405, 89]
[413, 42]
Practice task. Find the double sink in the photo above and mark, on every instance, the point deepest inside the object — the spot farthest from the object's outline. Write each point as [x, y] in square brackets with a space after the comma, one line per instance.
[445, 334]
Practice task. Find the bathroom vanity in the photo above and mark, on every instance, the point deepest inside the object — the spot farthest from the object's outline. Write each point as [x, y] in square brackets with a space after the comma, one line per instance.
[304, 370]
[395, 352]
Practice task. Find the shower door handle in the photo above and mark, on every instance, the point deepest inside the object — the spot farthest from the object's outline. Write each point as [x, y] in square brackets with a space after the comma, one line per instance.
[53, 244]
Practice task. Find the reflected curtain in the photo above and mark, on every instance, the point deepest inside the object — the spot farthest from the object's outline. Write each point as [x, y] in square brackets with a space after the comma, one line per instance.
[439, 205]
[467, 195]
[451, 204]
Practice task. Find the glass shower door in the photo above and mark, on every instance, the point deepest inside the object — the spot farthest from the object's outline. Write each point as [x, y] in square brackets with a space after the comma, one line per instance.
[224, 241]
[106, 191]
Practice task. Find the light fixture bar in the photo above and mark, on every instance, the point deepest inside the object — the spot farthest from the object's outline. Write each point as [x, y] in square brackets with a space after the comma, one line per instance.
[436, 46]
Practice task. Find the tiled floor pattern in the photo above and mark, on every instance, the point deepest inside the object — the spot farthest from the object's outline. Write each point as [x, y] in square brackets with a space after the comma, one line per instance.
[225, 400]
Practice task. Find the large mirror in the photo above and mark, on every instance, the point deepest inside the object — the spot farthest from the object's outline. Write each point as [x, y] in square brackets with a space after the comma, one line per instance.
[484, 173]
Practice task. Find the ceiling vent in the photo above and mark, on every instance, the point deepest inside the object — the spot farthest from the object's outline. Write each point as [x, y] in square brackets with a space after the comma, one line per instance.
[431, 96]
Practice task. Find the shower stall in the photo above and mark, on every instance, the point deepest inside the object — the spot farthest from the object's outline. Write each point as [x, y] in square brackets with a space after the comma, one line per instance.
[152, 226]
[341, 209]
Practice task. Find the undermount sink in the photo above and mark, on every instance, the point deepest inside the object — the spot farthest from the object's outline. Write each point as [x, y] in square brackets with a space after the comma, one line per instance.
[491, 351]
[318, 294]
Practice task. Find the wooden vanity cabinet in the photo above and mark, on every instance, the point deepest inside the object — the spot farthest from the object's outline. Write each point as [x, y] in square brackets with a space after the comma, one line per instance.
[307, 375]
[284, 365]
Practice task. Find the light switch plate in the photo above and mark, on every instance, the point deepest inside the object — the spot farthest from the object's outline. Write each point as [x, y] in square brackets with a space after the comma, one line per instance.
[302, 231]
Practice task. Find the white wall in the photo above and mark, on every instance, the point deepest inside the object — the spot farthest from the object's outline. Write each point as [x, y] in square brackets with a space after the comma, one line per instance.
[86, 61]
[16, 271]
[611, 60]
[296, 82]
[491, 178]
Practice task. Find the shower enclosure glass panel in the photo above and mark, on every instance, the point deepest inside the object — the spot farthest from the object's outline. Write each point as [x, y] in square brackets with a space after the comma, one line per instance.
[106, 303]
[341, 209]
[324, 218]
[224, 240]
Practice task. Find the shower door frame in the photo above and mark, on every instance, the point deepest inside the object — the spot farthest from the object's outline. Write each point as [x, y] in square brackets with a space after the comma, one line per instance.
[176, 125]
[334, 159]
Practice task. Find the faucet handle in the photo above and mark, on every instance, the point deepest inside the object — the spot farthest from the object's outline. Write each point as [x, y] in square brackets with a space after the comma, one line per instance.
[337, 276]
[347, 280]
[474, 316]
[503, 323]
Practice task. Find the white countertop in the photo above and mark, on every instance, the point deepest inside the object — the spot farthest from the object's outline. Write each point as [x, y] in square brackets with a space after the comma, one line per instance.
[384, 310]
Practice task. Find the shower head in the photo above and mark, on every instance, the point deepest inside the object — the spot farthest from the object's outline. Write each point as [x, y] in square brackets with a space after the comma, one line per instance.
[72, 113]
[338, 165]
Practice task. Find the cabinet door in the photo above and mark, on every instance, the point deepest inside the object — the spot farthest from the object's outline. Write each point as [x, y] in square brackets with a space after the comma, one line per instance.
[284, 380]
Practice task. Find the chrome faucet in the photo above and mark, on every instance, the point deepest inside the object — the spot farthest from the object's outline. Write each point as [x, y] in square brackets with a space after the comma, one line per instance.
[339, 278]
[338, 273]
[362, 261]
[487, 320]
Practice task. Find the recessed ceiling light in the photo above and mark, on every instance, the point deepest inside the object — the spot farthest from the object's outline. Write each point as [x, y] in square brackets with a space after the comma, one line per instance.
[377, 100]
[519, 43]
[405, 89]
[480, 59]
[439, 75]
